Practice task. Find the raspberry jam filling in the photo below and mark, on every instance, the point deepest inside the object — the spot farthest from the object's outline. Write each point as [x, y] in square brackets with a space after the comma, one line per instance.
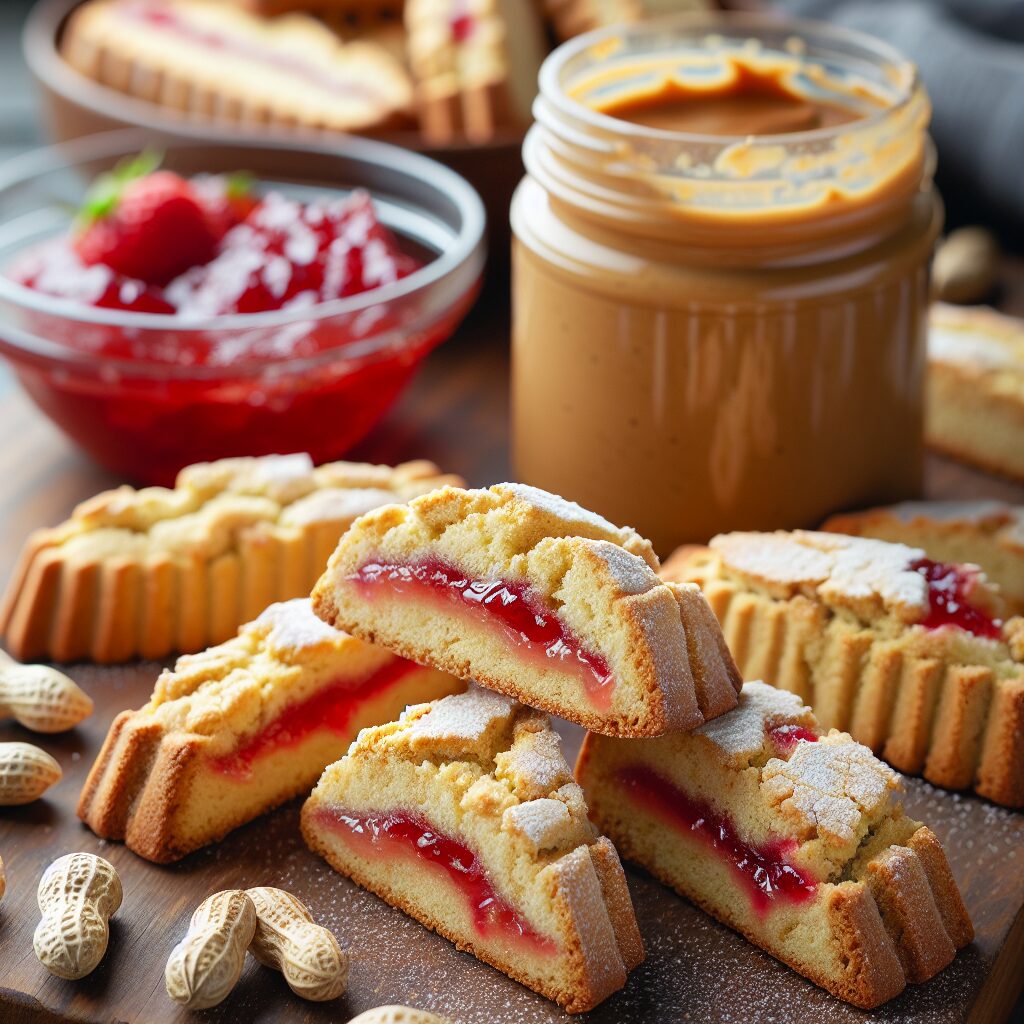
[330, 709]
[403, 833]
[786, 737]
[510, 604]
[763, 869]
[949, 588]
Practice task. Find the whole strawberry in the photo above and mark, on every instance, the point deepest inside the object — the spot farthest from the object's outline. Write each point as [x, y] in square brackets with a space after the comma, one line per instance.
[144, 223]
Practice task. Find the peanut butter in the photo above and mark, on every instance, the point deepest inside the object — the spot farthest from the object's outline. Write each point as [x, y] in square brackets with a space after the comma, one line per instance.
[751, 102]
[720, 279]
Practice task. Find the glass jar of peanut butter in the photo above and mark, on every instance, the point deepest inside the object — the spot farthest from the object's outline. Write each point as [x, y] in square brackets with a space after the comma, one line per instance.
[720, 275]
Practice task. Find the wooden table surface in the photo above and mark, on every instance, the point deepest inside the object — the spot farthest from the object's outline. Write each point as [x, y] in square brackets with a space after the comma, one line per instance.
[455, 413]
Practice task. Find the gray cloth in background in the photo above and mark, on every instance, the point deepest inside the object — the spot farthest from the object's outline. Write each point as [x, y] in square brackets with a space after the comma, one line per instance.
[971, 56]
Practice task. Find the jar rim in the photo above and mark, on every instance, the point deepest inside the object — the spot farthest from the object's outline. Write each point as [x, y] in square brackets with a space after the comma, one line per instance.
[749, 24]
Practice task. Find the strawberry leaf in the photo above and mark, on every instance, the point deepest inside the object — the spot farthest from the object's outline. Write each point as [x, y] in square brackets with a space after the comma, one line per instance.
[103, 194]
[239, 185]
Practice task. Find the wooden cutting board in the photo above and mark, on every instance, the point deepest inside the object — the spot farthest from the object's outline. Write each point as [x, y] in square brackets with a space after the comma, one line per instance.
[695, 969]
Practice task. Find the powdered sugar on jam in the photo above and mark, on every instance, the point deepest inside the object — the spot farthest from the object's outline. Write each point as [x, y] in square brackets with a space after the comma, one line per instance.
[786, 737]
[949, 592]
[511, 604]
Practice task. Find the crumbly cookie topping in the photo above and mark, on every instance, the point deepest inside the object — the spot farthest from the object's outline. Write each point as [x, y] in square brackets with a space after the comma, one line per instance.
[211, 503]
[507, 755]
[868, 577]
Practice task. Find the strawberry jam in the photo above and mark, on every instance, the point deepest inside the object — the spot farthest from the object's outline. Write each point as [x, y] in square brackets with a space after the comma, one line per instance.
[282, 255]
[949, 588]
[331, 709]
[510, 604]
[763, 869]
[786, 737]
[151, 397]
[379, 834]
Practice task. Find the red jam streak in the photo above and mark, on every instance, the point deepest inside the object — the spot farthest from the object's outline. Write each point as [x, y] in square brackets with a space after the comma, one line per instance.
[330, 709]
[405, 833]
[509, 603]
[786, 737]
[949, 588]
[763, 870]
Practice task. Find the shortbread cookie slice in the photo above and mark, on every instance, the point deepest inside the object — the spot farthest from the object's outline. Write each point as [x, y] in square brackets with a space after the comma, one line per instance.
[141, 573]
[989, 534]
[912, 657]
[236, 730]
[535, 597]
[216, 60]
[790, 835]
[974, 395]
[464, 814]
[475, 64]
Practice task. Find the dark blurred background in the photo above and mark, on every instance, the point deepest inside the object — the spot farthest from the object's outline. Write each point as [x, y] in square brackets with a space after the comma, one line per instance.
[971, 57]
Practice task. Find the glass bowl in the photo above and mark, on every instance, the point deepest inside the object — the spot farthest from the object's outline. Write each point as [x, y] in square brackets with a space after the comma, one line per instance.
[146, 394]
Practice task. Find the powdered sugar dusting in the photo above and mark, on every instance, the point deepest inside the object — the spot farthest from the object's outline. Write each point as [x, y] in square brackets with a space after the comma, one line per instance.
[632, 573]
[841, 569]
[292, 625]
[543, 822]
[534, 764]
[741, 732]
[281, 469]
[831, 784]
[335, 504]
[557, 506]
[467, 715]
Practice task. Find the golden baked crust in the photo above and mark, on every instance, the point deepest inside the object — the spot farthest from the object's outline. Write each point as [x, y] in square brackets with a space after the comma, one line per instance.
[155, 783]
[471, 79]
[985, 533]
[974, 395]
[884, 909]
[488, 772]
[837, 620]
[663, 650]
[141, 573]
[205, 60]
